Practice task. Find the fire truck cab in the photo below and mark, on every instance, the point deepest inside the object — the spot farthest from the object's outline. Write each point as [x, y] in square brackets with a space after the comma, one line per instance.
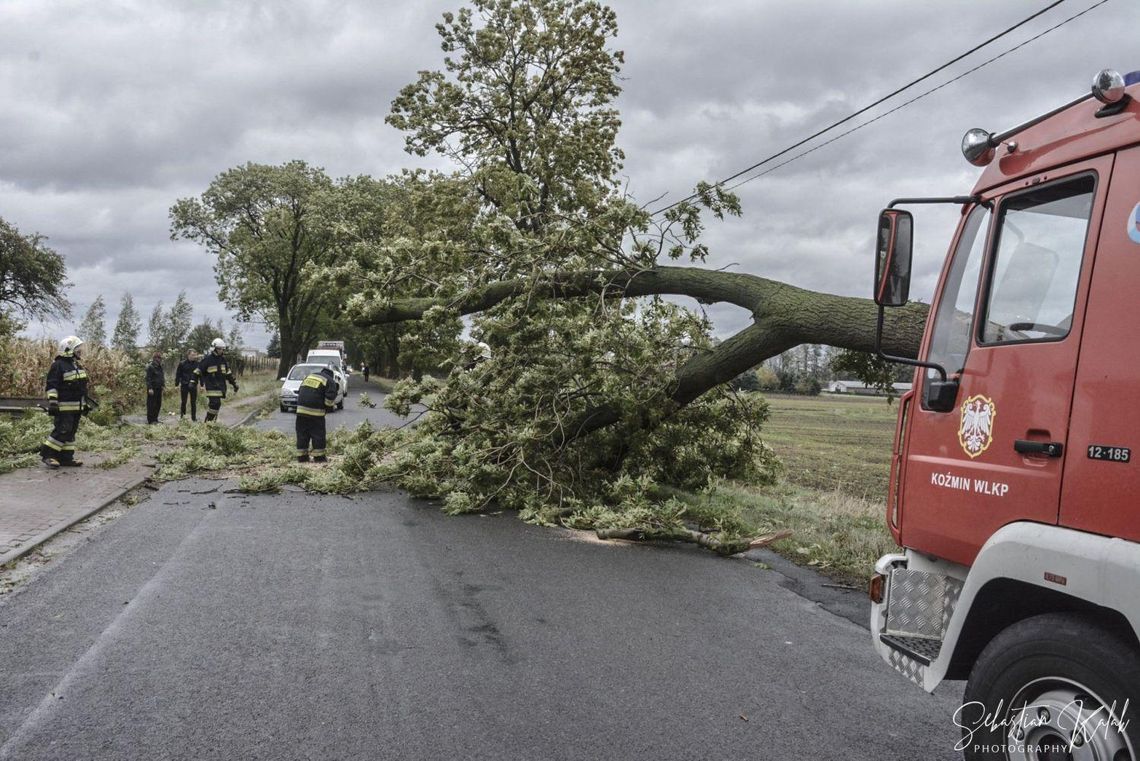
[1015, 487]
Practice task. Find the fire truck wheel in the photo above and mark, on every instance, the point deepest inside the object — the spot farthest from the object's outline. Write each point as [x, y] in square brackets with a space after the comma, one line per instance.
[1054, 686]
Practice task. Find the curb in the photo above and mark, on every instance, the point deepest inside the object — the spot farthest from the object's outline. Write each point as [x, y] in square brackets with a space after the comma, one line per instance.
[134, 483]
[43, 536]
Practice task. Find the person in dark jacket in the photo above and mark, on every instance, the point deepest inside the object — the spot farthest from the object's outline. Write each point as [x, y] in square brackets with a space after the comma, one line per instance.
[213, 372]
[67, 402]
[155, 384]
[315, 397]
[187, 383]
[364, 369]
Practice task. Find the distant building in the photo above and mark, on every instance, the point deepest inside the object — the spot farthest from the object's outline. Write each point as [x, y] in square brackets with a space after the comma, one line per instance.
[862, 389]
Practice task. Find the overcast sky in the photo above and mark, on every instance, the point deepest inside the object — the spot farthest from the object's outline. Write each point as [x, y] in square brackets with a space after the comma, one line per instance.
[113, 110]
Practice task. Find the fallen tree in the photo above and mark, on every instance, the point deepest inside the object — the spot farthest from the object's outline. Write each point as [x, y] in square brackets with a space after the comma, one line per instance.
[784, 316]
[604, 404]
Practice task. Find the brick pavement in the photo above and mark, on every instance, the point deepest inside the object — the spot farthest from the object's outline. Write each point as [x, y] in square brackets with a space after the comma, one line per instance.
[36, 503]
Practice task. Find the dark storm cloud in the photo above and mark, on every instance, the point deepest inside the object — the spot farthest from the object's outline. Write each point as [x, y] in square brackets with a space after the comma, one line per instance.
[114, 110]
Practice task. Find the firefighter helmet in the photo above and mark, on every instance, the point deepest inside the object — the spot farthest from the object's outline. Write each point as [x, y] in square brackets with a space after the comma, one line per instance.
[217, 343]
[68, 346]
[484, 351]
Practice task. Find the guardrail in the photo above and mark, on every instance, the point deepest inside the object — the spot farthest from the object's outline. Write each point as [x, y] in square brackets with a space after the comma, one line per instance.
[16, 405]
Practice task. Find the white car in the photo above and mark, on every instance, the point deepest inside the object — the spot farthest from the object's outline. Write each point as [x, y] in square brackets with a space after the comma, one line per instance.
[291, 382]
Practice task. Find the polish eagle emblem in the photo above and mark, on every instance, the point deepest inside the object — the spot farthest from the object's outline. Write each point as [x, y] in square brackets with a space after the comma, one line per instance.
[976, 431]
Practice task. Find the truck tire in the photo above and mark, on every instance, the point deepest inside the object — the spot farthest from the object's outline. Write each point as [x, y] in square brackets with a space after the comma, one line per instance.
[1040, 678]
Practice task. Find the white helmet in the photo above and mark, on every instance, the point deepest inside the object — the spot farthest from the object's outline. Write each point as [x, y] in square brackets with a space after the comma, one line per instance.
[217, 343]
[484, 350]
[68, 346]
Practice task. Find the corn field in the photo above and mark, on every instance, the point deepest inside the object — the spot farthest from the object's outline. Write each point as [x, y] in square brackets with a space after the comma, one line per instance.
[115, 378]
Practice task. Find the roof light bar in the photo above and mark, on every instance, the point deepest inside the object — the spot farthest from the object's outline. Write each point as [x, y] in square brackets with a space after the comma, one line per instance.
[978, 144]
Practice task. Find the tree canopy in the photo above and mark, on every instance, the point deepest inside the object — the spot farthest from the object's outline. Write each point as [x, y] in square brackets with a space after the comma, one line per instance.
[598, 391]
[264, 225]
[93, 328]
[33, 277]
[126, 335]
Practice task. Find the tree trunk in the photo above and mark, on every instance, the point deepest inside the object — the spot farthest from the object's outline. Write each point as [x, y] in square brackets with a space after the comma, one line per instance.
[784, 316]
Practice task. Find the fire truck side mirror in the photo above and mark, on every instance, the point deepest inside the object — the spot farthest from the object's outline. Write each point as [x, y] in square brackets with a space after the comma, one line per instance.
[892, 260]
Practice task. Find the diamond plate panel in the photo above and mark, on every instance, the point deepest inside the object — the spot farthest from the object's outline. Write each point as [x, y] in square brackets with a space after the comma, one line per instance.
[917, 603]
[907, 666]
[950, 600]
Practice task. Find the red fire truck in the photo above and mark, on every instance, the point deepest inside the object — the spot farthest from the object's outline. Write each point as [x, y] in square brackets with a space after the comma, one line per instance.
[1015, 490]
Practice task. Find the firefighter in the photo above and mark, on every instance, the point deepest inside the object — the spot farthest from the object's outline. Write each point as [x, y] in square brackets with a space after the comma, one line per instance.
[315, 397]
[155, 385]
[213, 371]
[187, 383]
[67, 402]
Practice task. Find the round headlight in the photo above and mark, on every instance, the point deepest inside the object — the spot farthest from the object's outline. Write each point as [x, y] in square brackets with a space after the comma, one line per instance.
[1108, 86]
[977, 147]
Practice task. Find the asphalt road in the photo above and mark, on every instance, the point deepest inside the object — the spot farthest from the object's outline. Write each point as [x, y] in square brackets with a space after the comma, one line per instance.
[351, 416]
[206, 625]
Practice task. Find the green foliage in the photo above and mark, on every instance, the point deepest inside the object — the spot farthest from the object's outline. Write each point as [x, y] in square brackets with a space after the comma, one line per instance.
[495, 429]
[267, 227]
[21, 437]
[93, 328]
[127, 327]
[875, 371]
[526, 103]
[33, 277]
[273, 350]
[170, 329]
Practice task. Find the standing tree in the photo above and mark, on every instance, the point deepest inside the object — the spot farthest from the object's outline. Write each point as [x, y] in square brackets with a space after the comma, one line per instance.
[177, 324]
[273, 350]
[33, 278]
[201, 335]
[93, 328]
[127, 327]
[156, 328]
[261, 223]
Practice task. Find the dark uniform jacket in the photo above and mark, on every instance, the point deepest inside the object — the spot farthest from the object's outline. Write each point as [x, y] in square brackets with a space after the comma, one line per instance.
[184, 373]
[67, 384]
[155, 376]
[214, 371]
[317, 394]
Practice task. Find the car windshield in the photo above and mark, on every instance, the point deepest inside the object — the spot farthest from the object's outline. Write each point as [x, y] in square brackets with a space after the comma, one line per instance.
[300, 372]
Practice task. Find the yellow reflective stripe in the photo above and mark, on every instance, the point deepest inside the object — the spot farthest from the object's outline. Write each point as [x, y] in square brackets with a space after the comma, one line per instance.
[52, 394]
[212, 369]
[310, 411]
[210, 392]
[70, 406]
[68, 447]
[51, 443]
[318, 453]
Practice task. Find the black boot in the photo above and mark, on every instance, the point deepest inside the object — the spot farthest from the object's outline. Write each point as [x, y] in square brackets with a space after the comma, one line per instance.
[302, 458]
[320, 458]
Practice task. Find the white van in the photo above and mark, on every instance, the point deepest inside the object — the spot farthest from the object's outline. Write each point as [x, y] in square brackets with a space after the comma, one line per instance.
[330, 357]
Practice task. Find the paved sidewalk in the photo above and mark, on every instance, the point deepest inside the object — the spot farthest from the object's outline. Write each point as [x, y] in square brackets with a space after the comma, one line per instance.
[37, 503]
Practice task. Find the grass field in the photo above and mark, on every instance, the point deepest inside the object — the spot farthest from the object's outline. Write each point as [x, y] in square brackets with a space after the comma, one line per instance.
[835, 451]
[833, 442]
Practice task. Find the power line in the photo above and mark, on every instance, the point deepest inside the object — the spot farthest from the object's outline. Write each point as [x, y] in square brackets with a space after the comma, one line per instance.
[881, 100]
[912, 100]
